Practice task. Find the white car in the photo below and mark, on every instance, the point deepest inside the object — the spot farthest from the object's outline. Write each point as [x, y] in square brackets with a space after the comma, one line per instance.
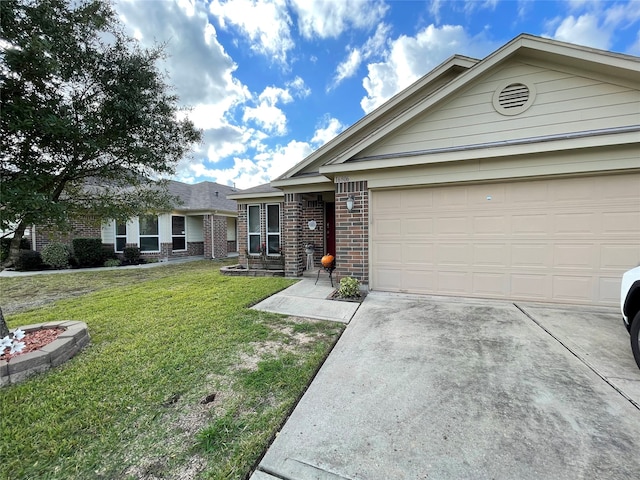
[630, 307]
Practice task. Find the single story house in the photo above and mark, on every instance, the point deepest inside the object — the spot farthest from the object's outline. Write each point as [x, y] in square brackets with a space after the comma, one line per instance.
[512, 177]
[202, 223]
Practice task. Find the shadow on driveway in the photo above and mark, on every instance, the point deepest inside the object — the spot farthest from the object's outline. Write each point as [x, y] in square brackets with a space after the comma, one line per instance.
[431, 387]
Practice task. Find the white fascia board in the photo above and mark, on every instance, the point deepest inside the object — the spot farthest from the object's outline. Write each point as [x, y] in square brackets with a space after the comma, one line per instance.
[240, 198]
[307, 180]
[619, 139]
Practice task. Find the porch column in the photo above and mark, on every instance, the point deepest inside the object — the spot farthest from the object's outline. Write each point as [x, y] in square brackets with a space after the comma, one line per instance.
[293, 248]
[352, 231]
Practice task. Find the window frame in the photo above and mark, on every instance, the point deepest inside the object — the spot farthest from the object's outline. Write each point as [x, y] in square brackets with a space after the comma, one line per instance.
[182, 236]
[141, 235]
[117, 236]
[251, 233]
[277, 233]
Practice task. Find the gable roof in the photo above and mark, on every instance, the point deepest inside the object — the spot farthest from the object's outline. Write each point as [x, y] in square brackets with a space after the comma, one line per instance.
[439, 85]
[203, 196]
[261, 191]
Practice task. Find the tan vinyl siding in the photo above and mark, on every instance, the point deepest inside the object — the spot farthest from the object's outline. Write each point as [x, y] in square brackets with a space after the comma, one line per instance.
[564, 103]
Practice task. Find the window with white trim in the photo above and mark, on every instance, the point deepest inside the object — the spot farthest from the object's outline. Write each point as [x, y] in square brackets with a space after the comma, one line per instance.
[121, 236]
[253, 229]
[178, 233]
[149, 237]
[273, 229]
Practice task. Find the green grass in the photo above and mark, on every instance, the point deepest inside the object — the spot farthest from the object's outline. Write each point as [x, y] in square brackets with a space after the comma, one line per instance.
[162, 339]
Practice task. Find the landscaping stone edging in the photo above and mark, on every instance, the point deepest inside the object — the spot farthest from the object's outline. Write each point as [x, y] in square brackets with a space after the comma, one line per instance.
[242, 271]
[74, 338]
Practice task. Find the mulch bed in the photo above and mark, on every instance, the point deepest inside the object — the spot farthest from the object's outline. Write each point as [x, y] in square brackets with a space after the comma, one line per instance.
[35, 340]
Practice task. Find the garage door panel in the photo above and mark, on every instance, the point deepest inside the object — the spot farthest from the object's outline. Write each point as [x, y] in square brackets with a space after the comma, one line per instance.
[418, 226]
[449, 254]
[574, 223]
[446, 225]
[453, 282]
[495, 225]
[581, 256]
[564, 240]
[528, 256]
[528, 224]
[572, 288]
[490, 284]
[619, 256]
[489, 254]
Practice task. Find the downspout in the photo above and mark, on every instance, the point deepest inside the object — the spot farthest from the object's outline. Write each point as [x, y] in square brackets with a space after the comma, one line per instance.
[33, 237]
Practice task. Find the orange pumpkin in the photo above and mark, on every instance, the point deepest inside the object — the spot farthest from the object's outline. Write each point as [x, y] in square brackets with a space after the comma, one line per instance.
[327, 260]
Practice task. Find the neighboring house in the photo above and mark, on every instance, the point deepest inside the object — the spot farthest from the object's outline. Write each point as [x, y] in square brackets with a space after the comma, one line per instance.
[203, 223]
[513, 177]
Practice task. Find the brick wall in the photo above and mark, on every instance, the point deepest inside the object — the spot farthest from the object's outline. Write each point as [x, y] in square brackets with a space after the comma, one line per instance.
[294, 256]
[352, 231]
[242, 234]
[80, 228]
[219, 238]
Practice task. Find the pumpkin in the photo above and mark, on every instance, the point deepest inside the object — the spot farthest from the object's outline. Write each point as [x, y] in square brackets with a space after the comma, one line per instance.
[327, 260]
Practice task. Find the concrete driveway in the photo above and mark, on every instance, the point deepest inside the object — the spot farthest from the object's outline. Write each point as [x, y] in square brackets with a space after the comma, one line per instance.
[441, 388]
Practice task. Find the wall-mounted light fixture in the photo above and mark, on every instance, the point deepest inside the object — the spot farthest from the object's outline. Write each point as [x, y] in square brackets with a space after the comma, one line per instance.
[350, 203]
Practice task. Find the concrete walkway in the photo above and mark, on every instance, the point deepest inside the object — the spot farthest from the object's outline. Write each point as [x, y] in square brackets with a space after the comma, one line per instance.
[308, 299]
[444, 388]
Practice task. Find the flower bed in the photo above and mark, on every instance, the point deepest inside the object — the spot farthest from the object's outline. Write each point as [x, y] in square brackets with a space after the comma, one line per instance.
[73, 337]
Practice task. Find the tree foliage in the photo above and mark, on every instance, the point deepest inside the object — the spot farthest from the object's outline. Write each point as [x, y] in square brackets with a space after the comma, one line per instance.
[88, 120]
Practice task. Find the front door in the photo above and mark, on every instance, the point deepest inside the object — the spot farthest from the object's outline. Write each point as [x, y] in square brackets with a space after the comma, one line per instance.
[330, 228]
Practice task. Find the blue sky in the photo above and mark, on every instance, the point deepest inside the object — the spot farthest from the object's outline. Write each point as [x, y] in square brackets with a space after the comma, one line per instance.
[270, 81]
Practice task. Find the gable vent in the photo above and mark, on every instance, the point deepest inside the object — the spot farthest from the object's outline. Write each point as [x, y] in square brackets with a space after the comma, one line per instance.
[513, 98]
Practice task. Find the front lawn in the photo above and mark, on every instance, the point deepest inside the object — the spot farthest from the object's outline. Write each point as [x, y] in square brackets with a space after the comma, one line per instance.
[181, 380]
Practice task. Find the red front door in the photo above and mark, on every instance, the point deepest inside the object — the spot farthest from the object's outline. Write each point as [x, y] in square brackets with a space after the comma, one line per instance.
[330, 228]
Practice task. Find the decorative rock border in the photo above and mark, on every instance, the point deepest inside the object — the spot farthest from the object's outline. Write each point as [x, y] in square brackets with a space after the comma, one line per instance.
[242, 271]
[74, 338]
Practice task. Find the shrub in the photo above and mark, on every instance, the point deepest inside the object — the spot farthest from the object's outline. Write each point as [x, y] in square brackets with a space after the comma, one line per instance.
[28, 260]
[131, 255]
[5, 243]
[56, 255]
[349, 287]
[88, 252]
[112, 262]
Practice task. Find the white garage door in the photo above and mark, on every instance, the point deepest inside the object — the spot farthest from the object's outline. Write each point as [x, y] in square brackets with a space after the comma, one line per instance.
[562, 240]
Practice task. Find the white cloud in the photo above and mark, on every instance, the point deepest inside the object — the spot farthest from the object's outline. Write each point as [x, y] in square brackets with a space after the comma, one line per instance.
[408, 58]
[583, 30]
[327, 132]
[374, 46]
[267, 116]
[266, 23]
[330, 18]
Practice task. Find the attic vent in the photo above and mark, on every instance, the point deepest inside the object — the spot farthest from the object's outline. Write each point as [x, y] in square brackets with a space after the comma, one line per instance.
[513, 98]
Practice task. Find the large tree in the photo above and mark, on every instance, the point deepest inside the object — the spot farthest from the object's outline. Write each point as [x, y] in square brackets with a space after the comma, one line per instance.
[88, 120]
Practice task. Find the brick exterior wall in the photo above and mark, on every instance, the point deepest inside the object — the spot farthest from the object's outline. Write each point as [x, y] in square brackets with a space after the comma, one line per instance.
[294, 256]
[219, 238]
[352, 231]
[80, 228]
[242, 234]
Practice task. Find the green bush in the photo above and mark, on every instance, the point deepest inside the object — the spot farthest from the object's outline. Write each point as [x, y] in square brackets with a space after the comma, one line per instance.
[88, 252]
[112, 262]
[5, 243]
[28, 260]
[349, 287]
[56, 255]
[131, 255]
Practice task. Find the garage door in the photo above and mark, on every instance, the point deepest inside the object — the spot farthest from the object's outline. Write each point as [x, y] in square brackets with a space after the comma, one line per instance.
[563, 240]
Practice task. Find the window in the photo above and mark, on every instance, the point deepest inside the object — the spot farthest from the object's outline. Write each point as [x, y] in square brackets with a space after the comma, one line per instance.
[121, 236]
[178, 231]
[253, 228]
[273, 229]
[149, 238]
